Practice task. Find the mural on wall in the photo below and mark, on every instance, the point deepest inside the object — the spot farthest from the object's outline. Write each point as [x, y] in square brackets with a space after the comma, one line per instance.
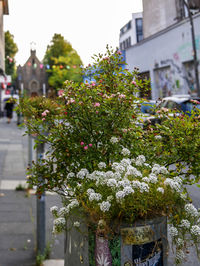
[172, 76]
[190, 78]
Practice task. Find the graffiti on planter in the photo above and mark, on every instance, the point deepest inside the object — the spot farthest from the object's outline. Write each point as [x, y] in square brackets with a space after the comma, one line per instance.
[149, 254]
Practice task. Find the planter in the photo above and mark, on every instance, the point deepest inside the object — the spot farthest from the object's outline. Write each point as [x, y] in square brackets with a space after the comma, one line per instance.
[145, 243]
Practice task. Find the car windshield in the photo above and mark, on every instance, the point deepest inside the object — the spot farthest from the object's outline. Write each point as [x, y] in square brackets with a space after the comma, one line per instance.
[191, 105]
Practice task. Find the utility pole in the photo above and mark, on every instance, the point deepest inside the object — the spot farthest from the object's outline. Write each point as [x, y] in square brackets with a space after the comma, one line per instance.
[195, 59]
[41, 221]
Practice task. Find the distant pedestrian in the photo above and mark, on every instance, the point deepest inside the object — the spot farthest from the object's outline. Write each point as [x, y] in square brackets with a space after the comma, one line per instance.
[9, 109]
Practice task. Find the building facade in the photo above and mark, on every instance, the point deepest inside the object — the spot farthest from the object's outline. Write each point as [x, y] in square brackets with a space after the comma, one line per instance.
[167, 58]
[165, 55]
[32, 77]
[3, 11]
[132, 32]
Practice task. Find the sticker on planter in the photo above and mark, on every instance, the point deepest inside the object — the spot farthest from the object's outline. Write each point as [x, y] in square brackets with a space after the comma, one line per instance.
[137, 235]
[150, 254]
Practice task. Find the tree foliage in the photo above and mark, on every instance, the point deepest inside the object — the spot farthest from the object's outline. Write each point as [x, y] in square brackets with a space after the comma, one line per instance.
[64, 62]
[10, 51]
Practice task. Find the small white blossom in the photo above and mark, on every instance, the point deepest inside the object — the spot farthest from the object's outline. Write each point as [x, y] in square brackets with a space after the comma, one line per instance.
[173, 231]
[128, 190]
[76, 224]
[125, 162]
[153, 179]
[59, 225]
[125, 152]
[82, 173]
[120, 195]
[95, 196]
[173, 185]
[109, 174]
[111, 182]
[158, 137]
[54, 210]
[90, 190]
[145, 179]
[177, 179]
[140, 160]
[185, 224]
[161, 190]
[191, 210]
[120, 168]
[114, 140]
[63, 211]
[70, 175]
[102, 165]
[110, 198]
[105, 206]
[180, 255]
[195, 230]
[180, 242]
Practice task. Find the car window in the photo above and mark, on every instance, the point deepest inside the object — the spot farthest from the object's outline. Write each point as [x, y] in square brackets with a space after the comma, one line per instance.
[189, 106]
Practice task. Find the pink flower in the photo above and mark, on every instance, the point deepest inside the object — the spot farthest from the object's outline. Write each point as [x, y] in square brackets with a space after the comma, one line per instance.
[44, 113]
[134, 83]
[96, 104]
[97, 112]
[82, 143]
[122, 96]
[43, 119]
[86, 147]
[119, 52]
[90, 145]
[93, 83]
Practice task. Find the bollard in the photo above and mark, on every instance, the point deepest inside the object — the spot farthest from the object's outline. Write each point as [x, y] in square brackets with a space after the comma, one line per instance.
[41, 228]
[30, 151]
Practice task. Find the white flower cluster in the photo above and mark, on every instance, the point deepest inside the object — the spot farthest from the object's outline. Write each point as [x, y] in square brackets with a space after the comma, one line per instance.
[140, 160]
[161, 190]
[157, 169]
[191, 210]
[173, 231]
[114, 140]
[195, 230]
[180, 255]
[173, 184]
[82, 173]
[76, 224]
[64, 211]
[54, 210]
[95, 196]
[142, 186]
[59, 225]
[125, 152]
[70, 175]
[185, 224]
[101, 165]
[105, 206]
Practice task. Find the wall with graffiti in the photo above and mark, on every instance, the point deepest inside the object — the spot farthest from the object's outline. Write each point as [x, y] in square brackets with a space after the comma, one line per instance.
[168, 56]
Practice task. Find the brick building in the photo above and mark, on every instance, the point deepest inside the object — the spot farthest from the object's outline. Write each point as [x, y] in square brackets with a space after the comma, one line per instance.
[32, 77]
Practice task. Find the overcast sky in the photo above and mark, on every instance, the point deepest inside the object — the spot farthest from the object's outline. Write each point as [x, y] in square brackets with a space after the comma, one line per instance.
[89, 25]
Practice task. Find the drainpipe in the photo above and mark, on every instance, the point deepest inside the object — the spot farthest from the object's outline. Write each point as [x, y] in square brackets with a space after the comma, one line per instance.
[195, 59]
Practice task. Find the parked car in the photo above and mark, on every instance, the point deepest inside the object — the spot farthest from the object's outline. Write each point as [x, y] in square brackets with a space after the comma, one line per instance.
[176, 103]
[181, 103]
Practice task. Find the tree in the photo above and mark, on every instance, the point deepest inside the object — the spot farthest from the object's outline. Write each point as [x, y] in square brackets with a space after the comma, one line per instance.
[64, 62]
[10, 51]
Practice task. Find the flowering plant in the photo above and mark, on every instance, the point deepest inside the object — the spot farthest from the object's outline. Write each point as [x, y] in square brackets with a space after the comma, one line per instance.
[95, 160]
[127, 191]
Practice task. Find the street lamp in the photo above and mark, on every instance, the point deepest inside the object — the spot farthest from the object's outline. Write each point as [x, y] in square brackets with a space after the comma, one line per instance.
[194, 47]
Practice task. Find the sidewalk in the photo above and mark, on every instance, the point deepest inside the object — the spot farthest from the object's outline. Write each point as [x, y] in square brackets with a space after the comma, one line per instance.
[17, 208]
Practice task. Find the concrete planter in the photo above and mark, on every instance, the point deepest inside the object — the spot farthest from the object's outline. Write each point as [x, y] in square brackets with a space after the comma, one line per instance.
[144, 243]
